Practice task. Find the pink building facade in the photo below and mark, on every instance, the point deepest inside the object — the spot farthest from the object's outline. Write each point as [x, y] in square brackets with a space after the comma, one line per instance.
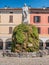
[40, 18]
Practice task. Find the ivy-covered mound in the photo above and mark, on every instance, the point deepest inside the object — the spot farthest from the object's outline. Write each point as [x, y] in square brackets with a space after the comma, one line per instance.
[25, 38]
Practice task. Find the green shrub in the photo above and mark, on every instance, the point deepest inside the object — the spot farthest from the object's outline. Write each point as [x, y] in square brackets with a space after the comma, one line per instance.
[24, 34]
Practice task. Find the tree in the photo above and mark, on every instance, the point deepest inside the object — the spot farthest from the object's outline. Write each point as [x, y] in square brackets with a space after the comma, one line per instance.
[25, 38]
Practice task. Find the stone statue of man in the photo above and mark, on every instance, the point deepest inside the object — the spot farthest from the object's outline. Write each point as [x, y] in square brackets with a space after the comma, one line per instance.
[25, 14]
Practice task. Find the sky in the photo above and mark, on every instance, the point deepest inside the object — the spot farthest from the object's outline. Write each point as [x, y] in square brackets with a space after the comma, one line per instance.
[20, 3]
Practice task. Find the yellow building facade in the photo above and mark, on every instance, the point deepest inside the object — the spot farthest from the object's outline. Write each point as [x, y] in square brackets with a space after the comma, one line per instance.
[9, 18]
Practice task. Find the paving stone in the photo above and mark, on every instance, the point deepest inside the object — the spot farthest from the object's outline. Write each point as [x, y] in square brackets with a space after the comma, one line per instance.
[24, 61]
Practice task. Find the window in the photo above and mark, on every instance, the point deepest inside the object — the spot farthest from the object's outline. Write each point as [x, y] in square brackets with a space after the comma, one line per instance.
[48, 30]
[11, 12]
[39, 31]
[11, 19]
[10, 30]
[48, 19]
[37, 19]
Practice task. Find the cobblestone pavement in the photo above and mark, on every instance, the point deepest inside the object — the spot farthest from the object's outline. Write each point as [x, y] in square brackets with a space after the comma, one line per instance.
[24, 61]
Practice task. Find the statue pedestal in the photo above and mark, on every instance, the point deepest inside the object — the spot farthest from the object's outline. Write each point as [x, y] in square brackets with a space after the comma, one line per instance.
[25, 21]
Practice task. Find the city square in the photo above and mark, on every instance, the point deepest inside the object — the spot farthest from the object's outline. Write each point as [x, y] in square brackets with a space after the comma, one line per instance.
[24, 32]
[24, 61]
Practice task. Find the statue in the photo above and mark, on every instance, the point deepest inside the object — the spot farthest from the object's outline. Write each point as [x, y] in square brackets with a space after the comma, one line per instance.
[25, 14]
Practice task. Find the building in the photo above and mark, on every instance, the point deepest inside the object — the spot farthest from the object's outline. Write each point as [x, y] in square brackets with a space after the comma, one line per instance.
[11, 17]
[40, 18]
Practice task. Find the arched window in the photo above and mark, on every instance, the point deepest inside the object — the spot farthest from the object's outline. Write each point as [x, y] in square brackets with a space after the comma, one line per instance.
[40, 44]
[47, 44]
[8, 43]
[1, 44]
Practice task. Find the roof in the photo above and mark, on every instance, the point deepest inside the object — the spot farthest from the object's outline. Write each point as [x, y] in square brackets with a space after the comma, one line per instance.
[10, 8]
[31, 10]
[39, 10]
